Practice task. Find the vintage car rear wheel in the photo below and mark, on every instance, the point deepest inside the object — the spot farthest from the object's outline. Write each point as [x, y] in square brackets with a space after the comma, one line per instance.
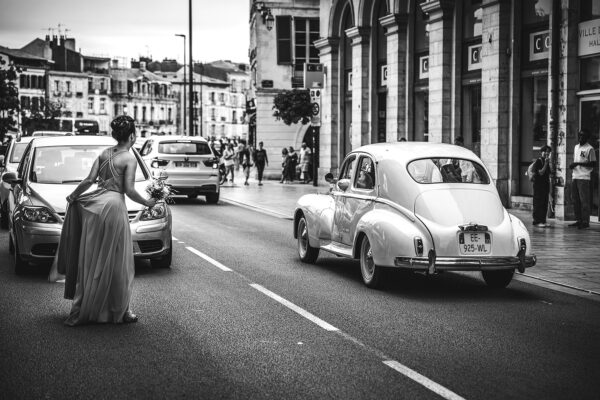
[307, 253]
[370, 272]
[498, 279]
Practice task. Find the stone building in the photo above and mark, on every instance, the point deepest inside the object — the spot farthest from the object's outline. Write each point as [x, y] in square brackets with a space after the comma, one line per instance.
[508, 76]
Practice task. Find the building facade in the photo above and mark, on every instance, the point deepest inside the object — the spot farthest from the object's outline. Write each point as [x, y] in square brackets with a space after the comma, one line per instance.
[508, 76]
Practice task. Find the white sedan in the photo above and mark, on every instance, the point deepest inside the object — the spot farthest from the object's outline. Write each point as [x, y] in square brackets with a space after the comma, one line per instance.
[417, 206]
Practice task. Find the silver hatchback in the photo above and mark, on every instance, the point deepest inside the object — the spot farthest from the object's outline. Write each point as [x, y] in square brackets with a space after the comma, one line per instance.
[189, 162]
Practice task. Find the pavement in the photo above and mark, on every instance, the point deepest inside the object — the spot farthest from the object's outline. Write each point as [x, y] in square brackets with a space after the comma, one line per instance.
[568, 259]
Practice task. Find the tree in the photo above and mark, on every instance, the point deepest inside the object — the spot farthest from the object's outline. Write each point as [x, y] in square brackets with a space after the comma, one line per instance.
[9, 98]
[293, 106]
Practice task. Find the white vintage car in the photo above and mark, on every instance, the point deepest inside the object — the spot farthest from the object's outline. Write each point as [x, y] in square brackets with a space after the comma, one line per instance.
[417, 206]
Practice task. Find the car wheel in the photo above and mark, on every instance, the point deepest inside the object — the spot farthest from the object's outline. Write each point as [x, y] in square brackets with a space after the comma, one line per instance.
[212, 198]
[4, 216]
[20, 264]
[164, 261]
[307, 253]
[192, 196]
[370, 272]
[498, 279]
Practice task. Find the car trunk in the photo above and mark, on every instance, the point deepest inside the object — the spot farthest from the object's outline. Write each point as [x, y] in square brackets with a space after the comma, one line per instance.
[466, 222]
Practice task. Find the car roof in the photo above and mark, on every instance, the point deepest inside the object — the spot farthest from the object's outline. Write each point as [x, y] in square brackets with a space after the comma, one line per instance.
[57, 133]
[50, 141]
[23, 139]
[177, 137]
[409, 151]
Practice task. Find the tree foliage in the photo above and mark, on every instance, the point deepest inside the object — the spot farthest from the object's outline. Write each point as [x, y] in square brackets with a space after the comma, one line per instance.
[9, 98]
[293, 106]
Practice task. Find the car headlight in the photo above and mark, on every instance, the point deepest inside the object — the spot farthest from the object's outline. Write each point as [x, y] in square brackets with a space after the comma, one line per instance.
[38, 214]
[159, 211]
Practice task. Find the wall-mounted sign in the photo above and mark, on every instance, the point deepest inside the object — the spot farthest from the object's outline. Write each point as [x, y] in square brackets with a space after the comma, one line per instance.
[589, 38]
[313, 75]
[315, 99]
[539, 45]
[424, 67]
[384, 75]
[267, 84]
[474, 62]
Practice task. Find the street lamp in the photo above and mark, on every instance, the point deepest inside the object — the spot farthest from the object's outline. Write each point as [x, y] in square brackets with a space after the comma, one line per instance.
[184, 99]
[265, 12]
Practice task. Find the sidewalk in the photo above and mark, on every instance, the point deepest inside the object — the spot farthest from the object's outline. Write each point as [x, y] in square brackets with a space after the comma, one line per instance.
[568, 258]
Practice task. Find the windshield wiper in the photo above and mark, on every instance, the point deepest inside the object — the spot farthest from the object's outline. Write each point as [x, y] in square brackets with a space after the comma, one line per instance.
[72, 181]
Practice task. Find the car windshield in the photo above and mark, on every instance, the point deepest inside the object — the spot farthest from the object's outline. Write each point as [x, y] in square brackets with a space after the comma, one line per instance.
[447, 170]
[184, 147]
[67, 164]
[17, 152]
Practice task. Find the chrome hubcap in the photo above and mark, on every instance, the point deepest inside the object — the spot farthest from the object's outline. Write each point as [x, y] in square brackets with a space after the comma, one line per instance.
[368, 264]
[302, 237]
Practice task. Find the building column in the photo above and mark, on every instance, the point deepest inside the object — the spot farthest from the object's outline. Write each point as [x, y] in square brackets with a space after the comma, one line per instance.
[330, 105]
[440, 69]
[396, 33]
[568, 106]
[361, 71]
[495, 93]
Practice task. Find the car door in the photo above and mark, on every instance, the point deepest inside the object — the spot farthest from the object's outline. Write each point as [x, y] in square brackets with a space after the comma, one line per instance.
[17, 190]
[359, 198]
[339, 194]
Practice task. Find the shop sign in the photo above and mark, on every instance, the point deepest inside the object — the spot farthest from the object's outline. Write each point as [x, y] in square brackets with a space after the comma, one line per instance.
[589, 38]
[315, 100]
[474, 57]
[424, 67]
[267, 84]
[539, 45]
[313, 75]
[384, 75]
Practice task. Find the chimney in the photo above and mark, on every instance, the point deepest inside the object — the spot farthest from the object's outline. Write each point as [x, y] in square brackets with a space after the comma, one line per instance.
[115, 63]
[54, 41]
[69, 43]
[143, 65]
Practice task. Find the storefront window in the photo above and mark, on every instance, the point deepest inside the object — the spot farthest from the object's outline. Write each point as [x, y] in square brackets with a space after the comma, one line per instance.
[536, 11]
[590, 73]
[473, 19]
[589, 9]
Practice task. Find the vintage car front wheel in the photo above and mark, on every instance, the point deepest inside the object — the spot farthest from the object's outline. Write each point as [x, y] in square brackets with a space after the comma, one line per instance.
[498, 279]
[307, 253]
[370, 272]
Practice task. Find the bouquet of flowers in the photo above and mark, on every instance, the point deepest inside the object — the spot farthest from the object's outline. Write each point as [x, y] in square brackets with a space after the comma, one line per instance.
[160, 191]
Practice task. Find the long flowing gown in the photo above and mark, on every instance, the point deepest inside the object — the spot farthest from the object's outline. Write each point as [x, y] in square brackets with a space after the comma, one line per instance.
[96, 252]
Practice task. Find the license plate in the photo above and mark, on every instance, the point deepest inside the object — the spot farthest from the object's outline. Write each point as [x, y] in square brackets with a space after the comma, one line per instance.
[474, 243]
[186, 164]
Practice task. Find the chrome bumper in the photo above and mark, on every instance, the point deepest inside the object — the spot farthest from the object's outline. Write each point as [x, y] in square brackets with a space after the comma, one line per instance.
[433, 264]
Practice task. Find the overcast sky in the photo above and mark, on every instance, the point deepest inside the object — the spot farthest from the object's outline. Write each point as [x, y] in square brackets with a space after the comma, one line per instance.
[130, 28]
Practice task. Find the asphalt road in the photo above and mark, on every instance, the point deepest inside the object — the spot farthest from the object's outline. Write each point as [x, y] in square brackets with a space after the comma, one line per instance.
[239, 316]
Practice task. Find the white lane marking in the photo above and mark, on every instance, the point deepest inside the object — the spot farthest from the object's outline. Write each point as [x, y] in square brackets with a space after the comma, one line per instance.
[428, 383]
[174, 238]
[209, 259]
[293, 307]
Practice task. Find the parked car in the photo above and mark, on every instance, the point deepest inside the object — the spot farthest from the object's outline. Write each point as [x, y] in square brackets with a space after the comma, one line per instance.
[9, 164]
[414, 206]
[189, 162]
[49, 170]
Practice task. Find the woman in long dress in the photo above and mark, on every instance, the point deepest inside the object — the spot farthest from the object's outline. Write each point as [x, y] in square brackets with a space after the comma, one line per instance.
[95, 250]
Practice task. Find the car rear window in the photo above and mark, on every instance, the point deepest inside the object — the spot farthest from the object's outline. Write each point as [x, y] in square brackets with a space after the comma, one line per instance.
[447, 170]
[184, 147]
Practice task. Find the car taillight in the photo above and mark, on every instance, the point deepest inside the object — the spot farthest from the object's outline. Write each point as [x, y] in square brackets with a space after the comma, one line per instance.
[523, 245]
[418, 246]
[157, 162]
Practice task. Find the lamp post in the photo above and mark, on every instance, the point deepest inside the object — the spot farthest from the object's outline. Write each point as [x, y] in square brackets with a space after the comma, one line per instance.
[191, 91]
[184, 119]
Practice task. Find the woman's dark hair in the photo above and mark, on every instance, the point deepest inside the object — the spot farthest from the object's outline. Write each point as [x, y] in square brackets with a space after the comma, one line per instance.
[122, 126]
[545, 148]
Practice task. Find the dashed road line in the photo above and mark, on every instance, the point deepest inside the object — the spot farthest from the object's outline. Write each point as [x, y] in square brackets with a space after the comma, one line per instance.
[395, 365]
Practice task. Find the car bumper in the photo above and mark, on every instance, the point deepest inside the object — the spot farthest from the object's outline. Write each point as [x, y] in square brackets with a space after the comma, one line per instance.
[434, 264]
[38, 242]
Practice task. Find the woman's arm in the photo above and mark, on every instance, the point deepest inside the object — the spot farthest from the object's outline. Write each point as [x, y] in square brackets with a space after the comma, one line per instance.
[129, 183]
[86, 182]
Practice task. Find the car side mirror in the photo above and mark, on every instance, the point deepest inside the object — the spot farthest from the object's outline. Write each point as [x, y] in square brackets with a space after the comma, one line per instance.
[160, 174]
[329, 177]
[343, 184]
[11, 178]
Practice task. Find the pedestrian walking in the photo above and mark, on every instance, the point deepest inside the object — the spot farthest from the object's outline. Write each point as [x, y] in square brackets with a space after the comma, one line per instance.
[540, 171]
[237, 158]
[228, 156]
[260, 160]
[245, 157]
[96, 250]
[583, 163]
[285, 163]
[305, 163]
[293, 162]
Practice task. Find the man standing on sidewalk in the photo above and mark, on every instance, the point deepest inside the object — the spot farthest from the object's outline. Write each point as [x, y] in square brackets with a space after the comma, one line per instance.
[583, 163]
[541, 187]
[260, 159]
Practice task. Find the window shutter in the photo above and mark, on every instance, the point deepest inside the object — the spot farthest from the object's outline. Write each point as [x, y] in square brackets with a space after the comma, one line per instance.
[284, 39]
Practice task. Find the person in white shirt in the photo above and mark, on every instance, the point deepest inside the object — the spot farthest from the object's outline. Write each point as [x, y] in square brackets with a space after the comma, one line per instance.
[584, 159]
